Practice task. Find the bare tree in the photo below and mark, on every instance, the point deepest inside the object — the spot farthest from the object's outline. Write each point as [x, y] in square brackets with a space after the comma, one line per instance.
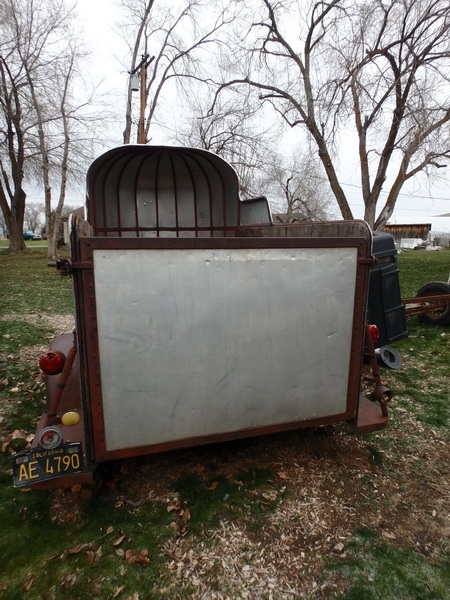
[42, 120]
[55, 140]
[236, 131]
[297, 187]
[33, 216]
[375, 67]
[293, 182]
[168, 46]
[12, 146]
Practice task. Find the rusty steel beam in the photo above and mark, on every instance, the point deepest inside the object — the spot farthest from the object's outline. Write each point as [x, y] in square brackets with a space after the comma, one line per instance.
[424, 304]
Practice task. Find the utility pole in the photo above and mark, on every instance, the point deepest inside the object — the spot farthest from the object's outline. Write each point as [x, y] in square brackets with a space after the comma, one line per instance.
[141, 71]
[141, 133]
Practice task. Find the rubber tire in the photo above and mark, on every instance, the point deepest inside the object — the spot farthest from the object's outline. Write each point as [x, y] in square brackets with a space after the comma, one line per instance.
[438, 317]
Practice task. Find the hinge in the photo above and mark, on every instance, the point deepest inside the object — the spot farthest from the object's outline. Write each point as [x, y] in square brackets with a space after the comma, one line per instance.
[367, 261]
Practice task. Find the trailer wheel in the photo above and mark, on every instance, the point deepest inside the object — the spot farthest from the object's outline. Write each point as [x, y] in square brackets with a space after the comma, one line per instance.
[441, 314]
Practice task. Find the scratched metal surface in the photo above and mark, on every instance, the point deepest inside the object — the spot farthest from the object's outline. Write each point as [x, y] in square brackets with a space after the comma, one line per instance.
[199, 342]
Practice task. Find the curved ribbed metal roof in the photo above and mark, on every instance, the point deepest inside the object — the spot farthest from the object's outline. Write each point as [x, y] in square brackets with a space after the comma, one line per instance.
[152, 191]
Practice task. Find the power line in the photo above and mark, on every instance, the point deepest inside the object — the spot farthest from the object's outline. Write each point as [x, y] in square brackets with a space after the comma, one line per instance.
[401, 209]
[354, 185]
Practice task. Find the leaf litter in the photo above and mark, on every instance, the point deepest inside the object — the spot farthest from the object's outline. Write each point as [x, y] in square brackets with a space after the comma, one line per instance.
[331, 487]
[328, 488]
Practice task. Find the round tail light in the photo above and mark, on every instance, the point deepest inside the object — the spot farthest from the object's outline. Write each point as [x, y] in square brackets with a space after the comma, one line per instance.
[52, 363]
[374, 333]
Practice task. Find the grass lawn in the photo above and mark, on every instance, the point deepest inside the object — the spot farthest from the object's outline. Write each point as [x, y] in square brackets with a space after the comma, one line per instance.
[30, 244]
[309, 514]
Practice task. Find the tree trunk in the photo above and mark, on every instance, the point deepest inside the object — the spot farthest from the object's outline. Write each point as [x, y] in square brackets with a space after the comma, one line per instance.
[369, 213]
[14, 221]
[338, 192]
[16, 241]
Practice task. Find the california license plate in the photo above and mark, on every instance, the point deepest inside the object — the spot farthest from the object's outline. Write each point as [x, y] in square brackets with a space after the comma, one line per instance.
[38, 464]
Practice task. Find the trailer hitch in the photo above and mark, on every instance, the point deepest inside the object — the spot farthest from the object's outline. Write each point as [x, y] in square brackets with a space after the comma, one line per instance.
[382, 395]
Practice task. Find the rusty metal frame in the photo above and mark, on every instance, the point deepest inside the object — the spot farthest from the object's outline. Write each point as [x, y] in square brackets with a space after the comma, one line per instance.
[89, 344]
[421, 305]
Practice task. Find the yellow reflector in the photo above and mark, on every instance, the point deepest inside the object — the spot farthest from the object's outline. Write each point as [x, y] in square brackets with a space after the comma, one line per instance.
[70, 418]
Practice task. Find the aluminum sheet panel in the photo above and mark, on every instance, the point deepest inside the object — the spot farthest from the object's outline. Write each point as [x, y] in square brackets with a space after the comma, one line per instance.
[196, 342]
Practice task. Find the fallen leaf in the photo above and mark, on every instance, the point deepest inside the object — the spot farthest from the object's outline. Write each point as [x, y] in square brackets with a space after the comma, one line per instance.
[119, 539]
[110, 529]
[77, 549]
[137, 558]
[90, 556]
[236, 482]
[389, 535]
[28, 582]
[67, 581]
[185, 515]
[268, 496]
[118, 590]
[283, 475]
[173, 506]
[213, 486]
[3, 586]
[51, 557]
[339, 547]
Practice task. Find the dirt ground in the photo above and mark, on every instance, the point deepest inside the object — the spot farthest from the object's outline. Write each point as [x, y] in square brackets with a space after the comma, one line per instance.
[328, 483]
[329, 486]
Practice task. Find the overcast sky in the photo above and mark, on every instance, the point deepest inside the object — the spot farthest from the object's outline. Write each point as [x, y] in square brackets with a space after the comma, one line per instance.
[420, 201]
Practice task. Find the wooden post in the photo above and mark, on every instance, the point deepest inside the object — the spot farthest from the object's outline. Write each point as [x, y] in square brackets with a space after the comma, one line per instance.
[141, 136]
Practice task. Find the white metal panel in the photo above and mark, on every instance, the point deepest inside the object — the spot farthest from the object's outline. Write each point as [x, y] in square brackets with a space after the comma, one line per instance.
[200, 342]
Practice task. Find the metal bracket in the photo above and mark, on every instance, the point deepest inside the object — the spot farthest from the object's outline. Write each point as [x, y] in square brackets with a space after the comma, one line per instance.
[367, 261]
[65, 266]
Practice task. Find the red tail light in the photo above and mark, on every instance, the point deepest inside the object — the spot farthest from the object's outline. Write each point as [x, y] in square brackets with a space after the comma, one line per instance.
[52, 363]
[374, 333]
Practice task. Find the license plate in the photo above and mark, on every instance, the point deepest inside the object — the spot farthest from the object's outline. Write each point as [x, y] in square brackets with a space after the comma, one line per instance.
[38, 464]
